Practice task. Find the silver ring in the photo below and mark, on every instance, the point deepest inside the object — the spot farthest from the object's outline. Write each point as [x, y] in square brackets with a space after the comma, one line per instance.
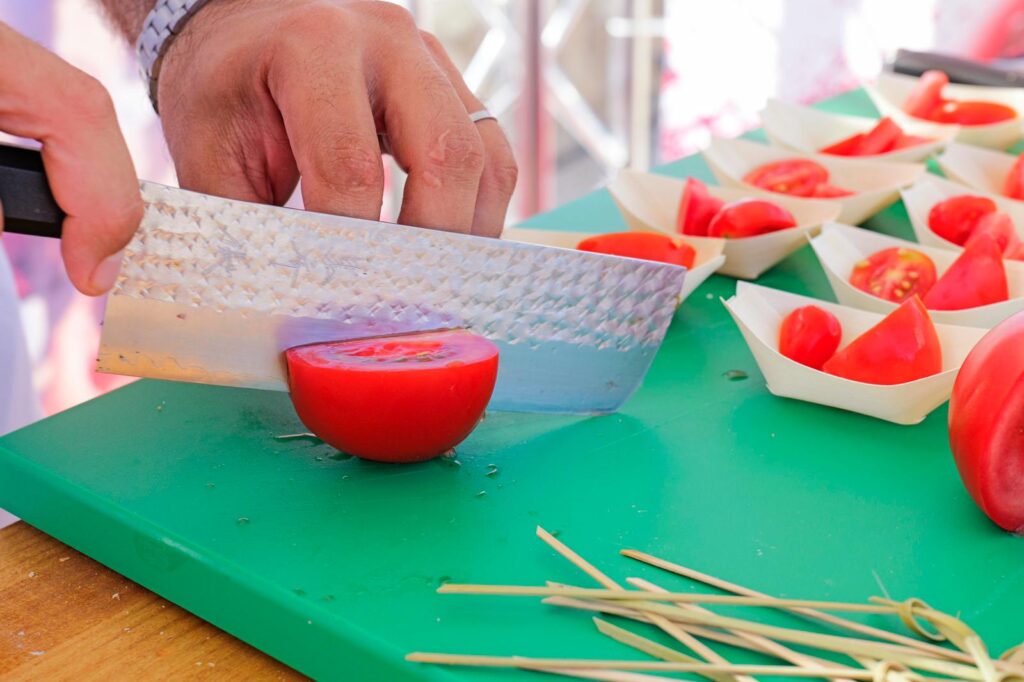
[481, 115]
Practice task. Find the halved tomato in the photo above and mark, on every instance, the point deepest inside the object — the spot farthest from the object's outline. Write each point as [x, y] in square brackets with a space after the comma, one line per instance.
[972, 113]
[696, 208]
[1013, 185]
[926, 95]
[394, 399]
[797, 177]
[809, 335]
[643, 245]
[894, 274]
[881, 138]
[903, 347]
[998, 226]
[955, 218]
[749, 218]
[977, 277]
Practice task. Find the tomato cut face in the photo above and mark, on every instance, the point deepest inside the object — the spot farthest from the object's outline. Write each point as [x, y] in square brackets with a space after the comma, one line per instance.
[972, 113]
[977, 277]
[927, 94]
[394, 399]
[696, 208]
[955, 218]
[797, 177]
[894, 274]
[750, 218]
[998, 226]
[902, 347]
[643, 245]
[810, 336]
[1013, 186]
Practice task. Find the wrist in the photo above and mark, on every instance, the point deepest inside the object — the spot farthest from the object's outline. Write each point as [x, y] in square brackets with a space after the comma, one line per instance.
[162, 27]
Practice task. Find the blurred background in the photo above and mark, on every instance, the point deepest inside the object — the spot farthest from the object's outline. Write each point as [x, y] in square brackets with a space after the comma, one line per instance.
[583, 88]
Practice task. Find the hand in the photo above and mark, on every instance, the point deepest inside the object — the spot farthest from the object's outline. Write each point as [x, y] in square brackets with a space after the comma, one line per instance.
[87, 163]
[255, 94]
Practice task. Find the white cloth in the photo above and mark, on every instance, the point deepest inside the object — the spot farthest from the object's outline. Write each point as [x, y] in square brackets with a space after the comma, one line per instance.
[19, 404]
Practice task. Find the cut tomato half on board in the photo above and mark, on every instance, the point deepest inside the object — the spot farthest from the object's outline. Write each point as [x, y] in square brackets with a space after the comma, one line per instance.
[902, 347]
[894, 274]
[927, 94]
[643, 245]
[797, 177]
[1013, 185]
[810, 335]
[750, 218]
[976, 278]
[394, 399]
[972, 113]
[955, 218]
[696, 208]
[998, 226]
[986, 424]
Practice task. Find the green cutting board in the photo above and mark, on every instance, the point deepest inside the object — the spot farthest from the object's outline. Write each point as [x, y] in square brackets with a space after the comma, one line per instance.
[330, 564]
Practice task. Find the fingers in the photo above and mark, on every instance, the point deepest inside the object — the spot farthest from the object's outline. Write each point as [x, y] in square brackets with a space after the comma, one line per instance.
[86, 159]
[498, 179]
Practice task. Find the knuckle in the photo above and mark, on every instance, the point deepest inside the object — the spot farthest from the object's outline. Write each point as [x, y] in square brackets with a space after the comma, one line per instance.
[432, 42]
[502, 172]
[312, 21]
[91, 99]
[350, 168]
[391, 15]
[459, 151]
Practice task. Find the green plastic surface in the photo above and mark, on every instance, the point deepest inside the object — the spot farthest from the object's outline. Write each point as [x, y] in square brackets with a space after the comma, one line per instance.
[330, 564]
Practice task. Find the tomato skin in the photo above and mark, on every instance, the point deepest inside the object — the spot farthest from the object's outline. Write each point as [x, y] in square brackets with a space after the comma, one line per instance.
[848, 146]
[643, 245]
[998, 226]
[358, 397]
[809, 335]
[986, 424]
[881, 138]
[894, 274]
[696, 209]
[927, 94]
[971, 113]
[976, 278]
[796, 177]
[955, 218]
[1013, 186]
[750, 218]
[902, 347]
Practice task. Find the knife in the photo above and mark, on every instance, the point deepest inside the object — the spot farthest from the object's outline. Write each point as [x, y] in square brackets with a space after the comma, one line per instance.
[213, 290]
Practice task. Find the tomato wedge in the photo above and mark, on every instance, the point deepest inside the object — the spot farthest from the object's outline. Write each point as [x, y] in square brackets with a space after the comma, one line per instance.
[894, 274]
[749, 218]
[972, 113]
[986, 424]
[696, 208]
[998, 226]
[955, 218]
[643, 245]
[1013, 186]
[797, 177]
[977, 277]
[809, 335]
[881, 138]
[848, 146]
[927, 94]
[902, 347]
[394, 399]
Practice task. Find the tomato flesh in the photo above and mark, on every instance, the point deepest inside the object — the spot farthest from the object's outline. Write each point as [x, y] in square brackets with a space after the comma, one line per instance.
[976, 278]
[894, 274]
[394, 399]
[902, 347]
[927, 94]
[1013, 186]
[986, 424]
[955, 218]
[750, 218]
[696, 208]
[809, 335]
[643, 245]
[972, 113]
[797, 177]
[848, 146]
[886, 136]
[998, 226]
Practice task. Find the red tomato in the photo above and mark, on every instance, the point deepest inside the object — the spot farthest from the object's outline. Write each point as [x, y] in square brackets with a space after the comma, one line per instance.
[926, 95]
[977, 277]
[955, 218]
[910, 141]
[798, 177]
[643, 245]
[986, 424]
[749, 218]
[998, 226]
[971, 113]
[809, 335]
[902, 347]
[394, 399]
[827, 191]
[1013, 186]
[881, 138]
[848, 146]
[696, 208]
[894, 274]
[1015, 252]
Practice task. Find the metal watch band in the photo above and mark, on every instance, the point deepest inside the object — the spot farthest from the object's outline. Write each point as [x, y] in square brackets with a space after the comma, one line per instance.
[162, 24]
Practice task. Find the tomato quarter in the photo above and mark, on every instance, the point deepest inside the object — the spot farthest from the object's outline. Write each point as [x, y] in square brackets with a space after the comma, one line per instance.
[809, 335]
[927, 94]
[976, 278]
[749, 218]
[797, 177]
[643, 245]
[881, 138]
[998, 226]
[848, 146]
[394, 399]
[894, 274]
[1013, 185]
[696, 208]
[955, 218]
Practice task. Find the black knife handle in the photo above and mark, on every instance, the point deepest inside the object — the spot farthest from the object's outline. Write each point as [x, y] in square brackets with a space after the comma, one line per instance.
[28, 203]
[959, 70]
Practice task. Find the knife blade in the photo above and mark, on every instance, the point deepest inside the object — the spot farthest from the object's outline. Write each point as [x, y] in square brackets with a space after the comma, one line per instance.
[213, 290]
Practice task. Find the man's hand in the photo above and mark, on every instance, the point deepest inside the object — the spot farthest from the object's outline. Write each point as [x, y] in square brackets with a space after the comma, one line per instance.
[254, 94]
[86, 160]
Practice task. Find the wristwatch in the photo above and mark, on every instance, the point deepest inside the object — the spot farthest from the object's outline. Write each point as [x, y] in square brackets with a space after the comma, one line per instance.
[162, 24]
